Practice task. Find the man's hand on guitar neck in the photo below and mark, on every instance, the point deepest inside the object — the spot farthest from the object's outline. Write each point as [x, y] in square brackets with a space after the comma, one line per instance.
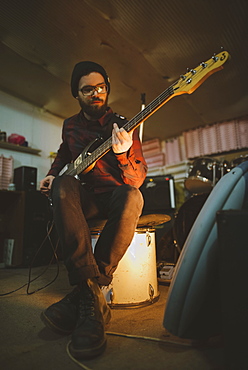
[46, 184]
[121, 139]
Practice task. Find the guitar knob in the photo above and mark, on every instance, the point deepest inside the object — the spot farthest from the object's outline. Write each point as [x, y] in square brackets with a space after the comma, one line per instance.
[203, 64]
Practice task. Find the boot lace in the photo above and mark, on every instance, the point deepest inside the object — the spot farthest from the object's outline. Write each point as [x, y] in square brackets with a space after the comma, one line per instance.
[86, 306]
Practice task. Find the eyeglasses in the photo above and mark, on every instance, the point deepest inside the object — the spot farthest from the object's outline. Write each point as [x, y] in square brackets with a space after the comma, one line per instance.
[89, 90]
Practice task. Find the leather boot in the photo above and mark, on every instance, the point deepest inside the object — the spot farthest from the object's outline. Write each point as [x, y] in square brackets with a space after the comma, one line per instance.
[89, 338]
[61, 317]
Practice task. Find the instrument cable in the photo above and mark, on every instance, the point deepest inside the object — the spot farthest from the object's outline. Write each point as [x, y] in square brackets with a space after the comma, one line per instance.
[132, 336]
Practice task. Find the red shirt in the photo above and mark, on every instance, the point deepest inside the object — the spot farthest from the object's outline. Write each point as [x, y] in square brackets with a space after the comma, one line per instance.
[112, 169]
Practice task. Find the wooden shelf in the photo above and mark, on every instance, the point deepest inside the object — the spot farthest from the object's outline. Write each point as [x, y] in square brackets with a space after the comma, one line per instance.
[19, 148]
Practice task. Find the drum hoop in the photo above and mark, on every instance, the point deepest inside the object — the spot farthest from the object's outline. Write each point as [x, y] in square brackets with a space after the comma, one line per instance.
[148, 302]
[143, 230]
[203, 179]
[208, 159]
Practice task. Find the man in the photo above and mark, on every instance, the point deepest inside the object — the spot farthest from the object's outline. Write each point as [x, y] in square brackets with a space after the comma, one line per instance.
[108, 190]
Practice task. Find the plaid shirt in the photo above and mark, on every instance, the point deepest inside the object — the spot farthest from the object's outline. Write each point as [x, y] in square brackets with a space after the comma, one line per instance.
[112, 169]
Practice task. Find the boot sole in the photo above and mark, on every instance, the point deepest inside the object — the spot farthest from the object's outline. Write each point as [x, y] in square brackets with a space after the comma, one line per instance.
[51, 325]
[88, 353]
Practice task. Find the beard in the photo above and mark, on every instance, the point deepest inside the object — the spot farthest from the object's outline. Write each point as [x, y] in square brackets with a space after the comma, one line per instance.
[95, 111]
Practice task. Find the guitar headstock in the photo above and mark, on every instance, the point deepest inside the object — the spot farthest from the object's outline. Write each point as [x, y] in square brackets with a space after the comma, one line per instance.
[190, 81]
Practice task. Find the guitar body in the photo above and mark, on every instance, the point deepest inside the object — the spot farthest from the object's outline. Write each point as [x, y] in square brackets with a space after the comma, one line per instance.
[93, 145]
[71, 168]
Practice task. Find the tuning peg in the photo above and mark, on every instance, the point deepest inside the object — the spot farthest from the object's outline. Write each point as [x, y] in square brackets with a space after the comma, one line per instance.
[215, 58]
[203, 64]
[183, 77]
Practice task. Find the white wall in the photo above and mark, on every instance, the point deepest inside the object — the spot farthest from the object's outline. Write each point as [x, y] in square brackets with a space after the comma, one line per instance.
[41, 129]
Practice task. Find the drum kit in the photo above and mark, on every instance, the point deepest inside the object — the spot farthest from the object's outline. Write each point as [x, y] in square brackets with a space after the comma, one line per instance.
[203, 174]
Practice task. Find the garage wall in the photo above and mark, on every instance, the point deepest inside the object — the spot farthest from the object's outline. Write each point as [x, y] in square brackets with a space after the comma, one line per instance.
[41, 130]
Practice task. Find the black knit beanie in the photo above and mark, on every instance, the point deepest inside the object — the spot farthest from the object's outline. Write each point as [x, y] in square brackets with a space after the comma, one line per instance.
[83, 69]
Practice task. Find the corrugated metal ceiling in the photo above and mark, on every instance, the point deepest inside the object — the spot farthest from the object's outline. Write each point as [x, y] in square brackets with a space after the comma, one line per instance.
[144, 45]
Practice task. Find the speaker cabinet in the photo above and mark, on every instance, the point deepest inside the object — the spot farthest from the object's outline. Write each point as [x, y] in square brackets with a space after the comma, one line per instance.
[159, 194]
[37, 249]
[25, 178]
[25, 219]
[233, 262]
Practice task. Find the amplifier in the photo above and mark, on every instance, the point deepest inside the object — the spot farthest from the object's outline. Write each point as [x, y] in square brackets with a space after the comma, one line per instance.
[25, 178]
[159, 194]
[232, 262]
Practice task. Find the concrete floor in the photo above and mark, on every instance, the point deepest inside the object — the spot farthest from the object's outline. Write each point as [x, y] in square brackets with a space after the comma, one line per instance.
[26, 344]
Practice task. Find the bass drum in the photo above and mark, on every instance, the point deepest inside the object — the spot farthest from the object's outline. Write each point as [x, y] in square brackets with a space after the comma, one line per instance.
[202, 175]
[171, 243]
[186, 217]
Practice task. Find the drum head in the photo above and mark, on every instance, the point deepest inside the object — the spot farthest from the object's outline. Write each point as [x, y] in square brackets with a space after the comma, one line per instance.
[170, 245]
[186, 217]
[197, 185]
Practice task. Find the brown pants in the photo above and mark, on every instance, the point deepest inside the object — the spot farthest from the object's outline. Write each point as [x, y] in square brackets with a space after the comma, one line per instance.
[73, 206]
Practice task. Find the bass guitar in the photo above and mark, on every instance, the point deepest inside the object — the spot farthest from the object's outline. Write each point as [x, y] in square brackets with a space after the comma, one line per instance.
[186, 84]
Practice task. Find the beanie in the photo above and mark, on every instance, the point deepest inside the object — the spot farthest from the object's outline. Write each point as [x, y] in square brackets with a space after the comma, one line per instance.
[83, 69]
